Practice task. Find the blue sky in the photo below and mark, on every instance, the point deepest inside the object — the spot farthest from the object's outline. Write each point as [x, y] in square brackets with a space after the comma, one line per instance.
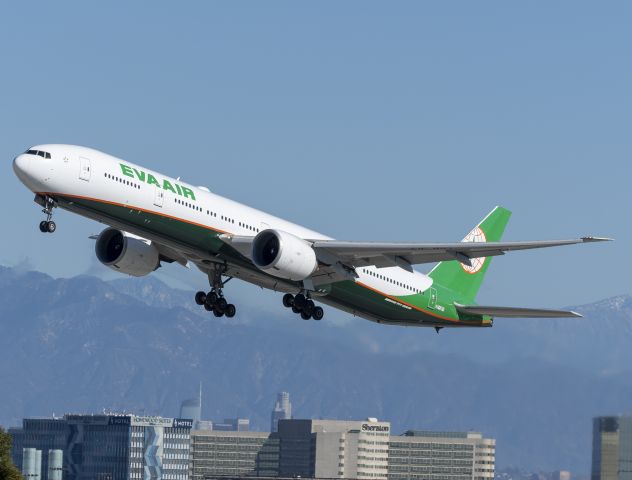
[363, 120]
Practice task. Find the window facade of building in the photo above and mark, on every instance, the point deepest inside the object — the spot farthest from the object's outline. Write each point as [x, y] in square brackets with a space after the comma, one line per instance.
[334, 449]
[612, 448]
[221, 453]
[418, 455]
[110, 447]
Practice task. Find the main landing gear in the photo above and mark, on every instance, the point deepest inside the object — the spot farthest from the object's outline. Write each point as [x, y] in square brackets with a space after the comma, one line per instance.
[304, 306]
[48, 226]
[214, 300]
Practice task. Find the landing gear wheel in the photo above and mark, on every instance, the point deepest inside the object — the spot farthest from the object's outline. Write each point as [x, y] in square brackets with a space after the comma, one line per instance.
[308, 308]
[211, 298]
[200, 298]
[230, 310]
[49, 204]
[214, 300]
[288, 300]
[305, 315]
[318, 313]
[299, 301]
[295, 309]
[221, 303]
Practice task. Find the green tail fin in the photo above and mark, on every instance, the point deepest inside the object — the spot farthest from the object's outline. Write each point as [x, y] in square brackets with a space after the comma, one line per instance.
[466, 280]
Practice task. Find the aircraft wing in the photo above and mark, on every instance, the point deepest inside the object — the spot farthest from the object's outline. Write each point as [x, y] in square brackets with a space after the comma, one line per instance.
[513, 312]
[360, 254]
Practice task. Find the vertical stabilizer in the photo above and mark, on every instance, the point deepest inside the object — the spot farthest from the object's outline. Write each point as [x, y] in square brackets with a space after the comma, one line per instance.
[467, 279]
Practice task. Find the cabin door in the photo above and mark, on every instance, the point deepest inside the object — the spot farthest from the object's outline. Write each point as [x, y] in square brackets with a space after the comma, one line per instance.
[84, 169]
[159, 196]
[432, 301]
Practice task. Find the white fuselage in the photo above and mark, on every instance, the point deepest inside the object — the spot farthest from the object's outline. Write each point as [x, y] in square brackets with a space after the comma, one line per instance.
[79, 172]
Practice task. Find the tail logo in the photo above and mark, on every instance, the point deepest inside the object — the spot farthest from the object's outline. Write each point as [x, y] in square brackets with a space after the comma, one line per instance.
[476, 235]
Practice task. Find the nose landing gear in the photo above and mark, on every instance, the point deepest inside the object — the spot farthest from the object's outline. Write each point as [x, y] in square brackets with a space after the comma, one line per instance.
[304, 306]
[48, 226]
[214, 301]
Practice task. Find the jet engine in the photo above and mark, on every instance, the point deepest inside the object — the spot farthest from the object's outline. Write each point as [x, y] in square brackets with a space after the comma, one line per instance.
[283, 255]
[126, 253]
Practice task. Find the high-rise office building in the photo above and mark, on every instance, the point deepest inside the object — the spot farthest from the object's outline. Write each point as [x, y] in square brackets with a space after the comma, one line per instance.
[107, 447]
[282, 410]
[425, 455]
[612, 448]
[192, 408]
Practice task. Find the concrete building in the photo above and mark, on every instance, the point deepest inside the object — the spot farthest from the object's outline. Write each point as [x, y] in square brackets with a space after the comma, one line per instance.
[108, 447]
[426, 455]
[333, 448]
[612, 448]
[233, 453]
[282, 410]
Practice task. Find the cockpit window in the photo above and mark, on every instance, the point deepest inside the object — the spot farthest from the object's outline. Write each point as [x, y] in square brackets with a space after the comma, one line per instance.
[39, 152]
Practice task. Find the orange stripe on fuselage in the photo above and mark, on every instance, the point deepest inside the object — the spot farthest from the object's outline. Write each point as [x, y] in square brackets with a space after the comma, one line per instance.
[131, 207]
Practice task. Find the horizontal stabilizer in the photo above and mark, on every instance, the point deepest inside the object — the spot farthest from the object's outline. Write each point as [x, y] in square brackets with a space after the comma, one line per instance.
[513, 312]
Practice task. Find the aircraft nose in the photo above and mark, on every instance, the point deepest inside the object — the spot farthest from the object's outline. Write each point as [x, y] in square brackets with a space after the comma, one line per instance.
[21, 165]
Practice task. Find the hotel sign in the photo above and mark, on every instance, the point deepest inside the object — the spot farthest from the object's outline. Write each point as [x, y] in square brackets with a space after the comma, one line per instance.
[372, 427]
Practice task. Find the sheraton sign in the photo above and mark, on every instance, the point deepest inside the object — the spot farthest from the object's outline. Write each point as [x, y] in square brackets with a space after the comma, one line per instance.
[370, 427]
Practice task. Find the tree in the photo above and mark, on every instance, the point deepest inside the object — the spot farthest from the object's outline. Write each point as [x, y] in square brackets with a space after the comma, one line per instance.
[8, 471]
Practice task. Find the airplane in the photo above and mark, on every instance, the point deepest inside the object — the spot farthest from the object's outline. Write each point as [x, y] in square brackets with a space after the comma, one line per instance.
[154, 219]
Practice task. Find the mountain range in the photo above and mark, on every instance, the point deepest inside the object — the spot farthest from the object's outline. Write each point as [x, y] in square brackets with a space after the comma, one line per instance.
[83, 344]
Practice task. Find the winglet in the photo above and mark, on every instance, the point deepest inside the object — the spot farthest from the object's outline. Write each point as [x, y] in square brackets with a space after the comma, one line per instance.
[596, 239]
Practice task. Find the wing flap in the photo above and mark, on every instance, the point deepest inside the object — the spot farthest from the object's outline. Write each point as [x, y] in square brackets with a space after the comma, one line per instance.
[515, 312]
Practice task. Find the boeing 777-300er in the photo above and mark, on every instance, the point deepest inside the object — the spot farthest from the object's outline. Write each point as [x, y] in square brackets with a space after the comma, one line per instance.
[153, 218]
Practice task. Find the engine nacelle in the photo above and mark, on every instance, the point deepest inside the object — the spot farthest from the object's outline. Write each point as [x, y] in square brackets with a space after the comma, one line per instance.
[126, 253]
[283, 255]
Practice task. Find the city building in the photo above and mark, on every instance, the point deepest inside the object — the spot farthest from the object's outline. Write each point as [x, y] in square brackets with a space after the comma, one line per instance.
[106, 447]
[117, 447]
[333, 448]
[42, 434]
[282, 410]
[192, 409]
[561, 475]
[612, 448]
[426, 455]
[233, 453]
[231, 425]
